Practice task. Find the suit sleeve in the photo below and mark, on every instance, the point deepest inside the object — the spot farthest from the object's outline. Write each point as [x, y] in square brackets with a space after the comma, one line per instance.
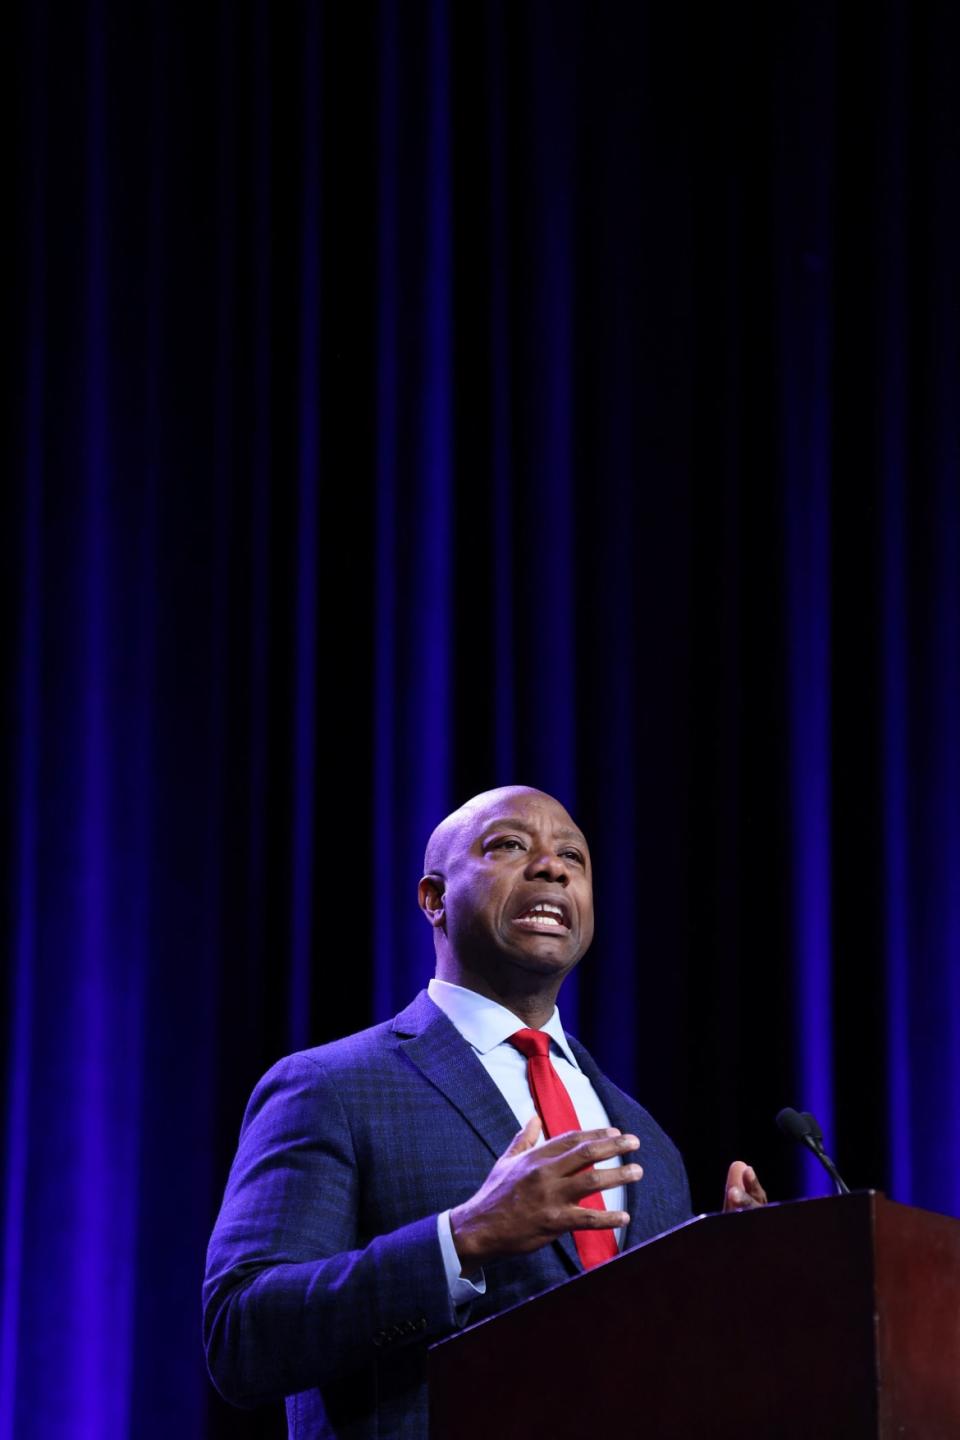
[293, 1298]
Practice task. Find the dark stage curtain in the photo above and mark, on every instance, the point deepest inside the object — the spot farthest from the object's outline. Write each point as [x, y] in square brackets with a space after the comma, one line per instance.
[416, 397]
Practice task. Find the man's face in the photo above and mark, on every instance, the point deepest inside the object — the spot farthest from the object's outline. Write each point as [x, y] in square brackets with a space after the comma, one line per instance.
[517, 889]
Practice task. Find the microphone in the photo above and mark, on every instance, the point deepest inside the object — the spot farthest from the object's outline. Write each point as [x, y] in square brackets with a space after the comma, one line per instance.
[815, 1131]
[802, 1127]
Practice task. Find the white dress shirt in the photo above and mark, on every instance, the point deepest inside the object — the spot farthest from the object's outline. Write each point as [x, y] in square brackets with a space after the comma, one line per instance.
[486, 1027]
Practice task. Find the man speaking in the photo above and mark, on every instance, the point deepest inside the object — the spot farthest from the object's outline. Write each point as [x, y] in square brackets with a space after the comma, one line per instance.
[425, 1174]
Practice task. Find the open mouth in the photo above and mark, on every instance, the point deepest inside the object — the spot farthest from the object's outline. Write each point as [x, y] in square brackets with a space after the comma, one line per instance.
[545, 917]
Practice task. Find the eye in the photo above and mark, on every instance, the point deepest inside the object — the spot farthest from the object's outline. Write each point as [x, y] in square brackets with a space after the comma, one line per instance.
[573, 855]
[506, 842]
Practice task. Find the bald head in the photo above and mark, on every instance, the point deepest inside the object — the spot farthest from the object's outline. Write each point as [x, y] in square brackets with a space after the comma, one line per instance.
[452, 830]
[508, 893]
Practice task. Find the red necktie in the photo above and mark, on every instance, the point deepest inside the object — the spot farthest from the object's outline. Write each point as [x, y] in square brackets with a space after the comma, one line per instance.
[555, 1109]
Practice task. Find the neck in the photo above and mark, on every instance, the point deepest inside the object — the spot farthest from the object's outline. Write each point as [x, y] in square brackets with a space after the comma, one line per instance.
[532, 998]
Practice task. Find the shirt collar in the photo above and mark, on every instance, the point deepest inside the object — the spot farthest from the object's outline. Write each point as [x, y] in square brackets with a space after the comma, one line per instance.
[484, 1024]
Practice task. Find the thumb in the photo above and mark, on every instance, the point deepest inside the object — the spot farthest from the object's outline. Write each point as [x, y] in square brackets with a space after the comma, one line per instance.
[527, 1137]
[733, 1194]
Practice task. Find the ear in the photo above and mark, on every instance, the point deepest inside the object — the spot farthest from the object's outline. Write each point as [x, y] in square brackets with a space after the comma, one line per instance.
[430, 896]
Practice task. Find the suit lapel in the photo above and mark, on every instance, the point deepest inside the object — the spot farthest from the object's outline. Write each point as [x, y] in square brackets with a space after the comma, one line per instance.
[435, 1046]
[438, 1050]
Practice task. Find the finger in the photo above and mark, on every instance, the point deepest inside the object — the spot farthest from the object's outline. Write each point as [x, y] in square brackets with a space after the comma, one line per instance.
[583, 1217]
[590, 1147]
[738, 1194]
[561, 1144]
[753, 1187]
[527, 1138]
[588, 1182]
[733, 1190]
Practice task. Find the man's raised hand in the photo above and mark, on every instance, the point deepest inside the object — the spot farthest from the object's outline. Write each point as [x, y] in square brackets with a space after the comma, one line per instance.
[531, 1195]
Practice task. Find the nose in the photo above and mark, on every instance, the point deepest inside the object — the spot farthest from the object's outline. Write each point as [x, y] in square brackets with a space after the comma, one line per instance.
[545, 865]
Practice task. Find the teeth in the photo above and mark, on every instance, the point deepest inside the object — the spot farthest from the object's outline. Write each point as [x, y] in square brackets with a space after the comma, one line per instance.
[545, 915]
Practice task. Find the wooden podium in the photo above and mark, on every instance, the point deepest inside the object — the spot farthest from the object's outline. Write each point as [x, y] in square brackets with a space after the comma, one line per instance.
[813, 1319]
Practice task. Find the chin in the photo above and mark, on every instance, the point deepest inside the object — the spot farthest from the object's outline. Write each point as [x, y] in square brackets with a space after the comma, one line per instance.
[545, 962]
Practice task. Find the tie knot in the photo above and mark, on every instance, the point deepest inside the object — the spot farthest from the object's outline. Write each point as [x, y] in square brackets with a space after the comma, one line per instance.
[531, 1042]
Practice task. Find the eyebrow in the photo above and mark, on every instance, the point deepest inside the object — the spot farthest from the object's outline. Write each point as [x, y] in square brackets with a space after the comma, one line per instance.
[511, 822]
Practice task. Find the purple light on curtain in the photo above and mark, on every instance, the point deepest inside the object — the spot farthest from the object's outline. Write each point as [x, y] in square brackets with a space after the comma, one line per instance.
[895, 771]
[99, 1404]
[414, 499]
[935, 1023]
[140, 886]
[894, 684]
[549, 742]
[19, 1060]
[223, 477]
[85, 805]
[260, 627]
[941, 1122]
[504, 599]
[385, 988]
[949, 1195]
[305, 700]
[430, 632]
[809, 703]
[806, 334]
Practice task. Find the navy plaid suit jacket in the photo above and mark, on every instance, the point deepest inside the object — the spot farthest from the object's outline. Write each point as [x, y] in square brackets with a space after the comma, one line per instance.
[325, 1283]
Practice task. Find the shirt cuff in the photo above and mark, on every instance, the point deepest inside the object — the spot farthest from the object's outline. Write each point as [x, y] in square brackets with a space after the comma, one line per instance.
[462, 1291]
